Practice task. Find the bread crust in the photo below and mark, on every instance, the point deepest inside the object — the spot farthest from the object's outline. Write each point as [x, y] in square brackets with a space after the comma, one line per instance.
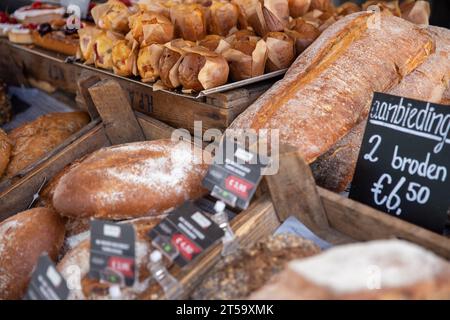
[5, 151]
[24, 237]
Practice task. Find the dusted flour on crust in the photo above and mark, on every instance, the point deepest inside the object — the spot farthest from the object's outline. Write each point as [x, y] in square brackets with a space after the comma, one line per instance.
[384, 269]
[131, 180]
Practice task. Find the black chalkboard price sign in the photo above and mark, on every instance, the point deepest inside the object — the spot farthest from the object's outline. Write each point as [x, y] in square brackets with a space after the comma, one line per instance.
[404, 162]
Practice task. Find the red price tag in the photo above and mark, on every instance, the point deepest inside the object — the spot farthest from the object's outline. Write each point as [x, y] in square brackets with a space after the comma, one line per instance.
[238, 186]
[185, 246]
[122, 265]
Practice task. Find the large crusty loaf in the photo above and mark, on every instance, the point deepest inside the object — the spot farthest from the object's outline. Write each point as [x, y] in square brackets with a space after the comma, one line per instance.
[131, 180]
[446, 97]
[5, 151]
[37, 138]
[75, 265]
[244, 272]
[329, 87]
[334, 170]
[384, 269]
[23, 238]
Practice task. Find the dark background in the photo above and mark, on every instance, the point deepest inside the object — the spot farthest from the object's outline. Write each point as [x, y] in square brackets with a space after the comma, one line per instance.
[440, 15]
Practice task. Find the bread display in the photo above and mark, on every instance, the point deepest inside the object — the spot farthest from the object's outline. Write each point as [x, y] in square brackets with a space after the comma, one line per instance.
[280, 51]
[328, 89]
[334, 170]
[5, 152]
[131, 180]
[240, 274]
[33, 140]
[74, 266]
[384, 269]
[24, 237]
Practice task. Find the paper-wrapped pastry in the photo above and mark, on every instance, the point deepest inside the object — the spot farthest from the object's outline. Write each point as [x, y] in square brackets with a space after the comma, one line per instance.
[150, 27]
[103, 46]
[417, 12]
[222, 17]
[112, 15]
[241, 35]
[88, 35]
[247, 58]
[389, 6]
[276, 14]
[170, 60]
[124, 56]
[347, 8]
[322, 5]
[303, 33]
[158, 6]
[298, 8]
[280, 51]
[214, 43]
[189, 21]
[202, 69]
[313, 17]
[251, 11]
[148, 62]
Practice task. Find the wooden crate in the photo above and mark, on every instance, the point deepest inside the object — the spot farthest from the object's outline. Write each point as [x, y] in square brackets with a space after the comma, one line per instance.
[38, 67]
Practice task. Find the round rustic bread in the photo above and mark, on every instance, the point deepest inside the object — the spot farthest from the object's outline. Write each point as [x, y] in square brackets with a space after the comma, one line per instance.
[37, 138]
[131, 180]
[244, 272]
[5, 152]
[23, 238]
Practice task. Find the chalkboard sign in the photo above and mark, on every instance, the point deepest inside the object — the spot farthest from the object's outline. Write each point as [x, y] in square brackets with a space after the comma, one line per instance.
[403, 166]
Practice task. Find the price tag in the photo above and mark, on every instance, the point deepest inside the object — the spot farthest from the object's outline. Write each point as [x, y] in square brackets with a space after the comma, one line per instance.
[403, 166]
[185, 234]
[234, 175]
[112, 256]
[46, 282]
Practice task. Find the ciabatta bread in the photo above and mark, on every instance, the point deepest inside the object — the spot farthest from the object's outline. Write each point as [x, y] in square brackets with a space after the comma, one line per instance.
[329, 87]
[131, 180]
[385, 269]
[23, 238]
[334, 170]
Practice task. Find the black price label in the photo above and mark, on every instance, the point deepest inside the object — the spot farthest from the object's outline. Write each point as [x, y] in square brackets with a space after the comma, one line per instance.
[404, 160]
[46, 282]
[112, 256]
[234, 175]
[185, 234]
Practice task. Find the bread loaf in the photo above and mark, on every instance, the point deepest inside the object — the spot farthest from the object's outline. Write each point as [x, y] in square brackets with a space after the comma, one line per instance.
[329, 87]
[334, 170]
[385, 269]
[446, 97]
[24, 237]
[244, 272]
[5, 151]
[75, 265]
[131, 180]
[37, 138]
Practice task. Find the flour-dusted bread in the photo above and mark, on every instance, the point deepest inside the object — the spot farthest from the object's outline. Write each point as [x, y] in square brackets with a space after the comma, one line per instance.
[75, 265]
[384, 269]
[5, 151]
[131, 180]
[334, 170]
[23, 238]
[446, 97]
[37, 138]
[244, 272]
[329, 87]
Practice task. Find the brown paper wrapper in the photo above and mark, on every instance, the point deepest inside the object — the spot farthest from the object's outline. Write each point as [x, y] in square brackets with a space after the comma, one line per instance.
[222, 17]
[252, 12]
[112, 15]
[189, 21]
[303, 33]
[169, 61]
[417, 12]
[214, 43]
[88, 35]
[103, 46]
[298, 8]
[280, 51]
[276, 14]
[124, 56]
[149, 27]
[148, 62]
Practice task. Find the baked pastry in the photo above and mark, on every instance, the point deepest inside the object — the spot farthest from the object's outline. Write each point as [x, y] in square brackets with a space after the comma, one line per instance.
[214, 43]
[334, 170]
[384, 269]
[131, 180]
[149, 27]
[280, 51]
[5, 105]
[169, 61]
[303, 33]
[148, 62]
[251, 14]
[112, 16]
[416, 11]
[124, 57]
[58, 39]
[20, 35]
[329, 87]
[75, 266]
[24, 237]
[236, 276]
[38, 13]
[7, 22]
[222, 18]
[276, 14]
[202, 69]
[298, 8]
[35, 139]
[347, 8]
[5, 152]
[103, 46]
[247, 58]
[88, 35]
[189, 21]
[322, 5]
